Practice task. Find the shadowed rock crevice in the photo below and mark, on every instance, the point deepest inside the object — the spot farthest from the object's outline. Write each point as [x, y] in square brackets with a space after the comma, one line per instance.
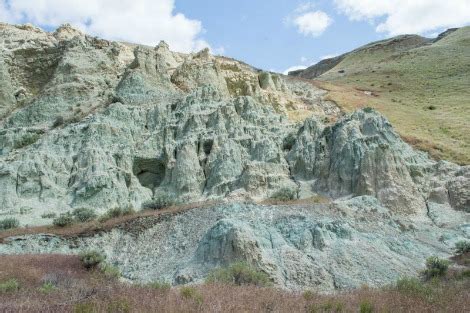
[150, 172]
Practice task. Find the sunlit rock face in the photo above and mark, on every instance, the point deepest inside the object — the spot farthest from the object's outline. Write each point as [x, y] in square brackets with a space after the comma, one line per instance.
[87, 122]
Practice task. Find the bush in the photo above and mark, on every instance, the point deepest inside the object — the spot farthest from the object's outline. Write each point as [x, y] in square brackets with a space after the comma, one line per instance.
[49, 215]
[64, 220]
[412, 286]
[368, 110]
[162, 286]
[58, 121]
[366, 307]
[435, 267]
[11, 285]
[115, 213]
[462, 247]
[9, 223]
[91, 259]
[48, 287]
[285, 194]
[161, 202]
[119, 306]
[239, 274]
[109, 271]
[84, 215]
[191, 293]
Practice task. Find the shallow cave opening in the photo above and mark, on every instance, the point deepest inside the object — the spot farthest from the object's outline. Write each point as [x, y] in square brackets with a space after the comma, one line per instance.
[150, 172]
[207, 146]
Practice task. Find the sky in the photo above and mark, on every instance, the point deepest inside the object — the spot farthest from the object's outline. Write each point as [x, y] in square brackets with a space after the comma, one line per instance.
[276, 35]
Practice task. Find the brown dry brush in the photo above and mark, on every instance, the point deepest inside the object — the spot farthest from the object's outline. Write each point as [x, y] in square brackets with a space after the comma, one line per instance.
[82, 291]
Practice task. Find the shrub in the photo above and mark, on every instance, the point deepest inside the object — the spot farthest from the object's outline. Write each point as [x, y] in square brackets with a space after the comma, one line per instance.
[118, 306]
[87, 307]
[64, 220]
[435, 267]
[9, 223]
[59, 120]
[27, 140]
[412, 286]
[47, 287]
[115, 213]
[161, 202]
[462, 247]
[239, 273]
[368, 110]
[49, 215]
[191, 293]
[432, 107]
[162, 286]
[91, 259]
[84, 215]
[11, 285]
[109, 271]
[285, 194]
[366, 307]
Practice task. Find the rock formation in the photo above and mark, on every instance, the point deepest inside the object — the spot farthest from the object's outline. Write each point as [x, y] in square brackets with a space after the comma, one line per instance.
[89, 123]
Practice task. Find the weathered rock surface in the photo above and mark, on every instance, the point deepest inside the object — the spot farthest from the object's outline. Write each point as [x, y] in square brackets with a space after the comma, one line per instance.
[341, 245]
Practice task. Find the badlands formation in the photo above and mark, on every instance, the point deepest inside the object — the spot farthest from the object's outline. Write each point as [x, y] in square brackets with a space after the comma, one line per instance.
[90, 123]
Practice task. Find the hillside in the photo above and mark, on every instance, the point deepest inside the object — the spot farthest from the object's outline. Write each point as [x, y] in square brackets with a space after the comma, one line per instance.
[422, 86]
[172, 165]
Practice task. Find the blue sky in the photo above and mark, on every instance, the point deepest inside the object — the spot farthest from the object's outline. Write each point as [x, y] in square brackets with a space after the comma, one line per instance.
[269, 34]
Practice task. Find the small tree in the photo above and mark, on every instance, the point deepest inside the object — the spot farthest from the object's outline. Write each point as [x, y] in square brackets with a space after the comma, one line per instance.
[84, 215]
[9, 223]
[435, 267]
[91, 259]
[239, 273]
[64, 220]
[462, 247]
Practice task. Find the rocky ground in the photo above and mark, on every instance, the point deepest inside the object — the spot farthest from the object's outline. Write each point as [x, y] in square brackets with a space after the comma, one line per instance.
[88, 123]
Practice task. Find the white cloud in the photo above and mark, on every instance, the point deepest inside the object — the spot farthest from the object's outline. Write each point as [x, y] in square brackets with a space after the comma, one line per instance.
[396, 17]
[329, 56]
[312, 23]
[139, 21]
[294, 68]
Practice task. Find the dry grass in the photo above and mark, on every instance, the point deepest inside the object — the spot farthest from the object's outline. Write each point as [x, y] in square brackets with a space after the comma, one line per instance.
[86, 229]
[426, 130]
[79, 290]
[424, 92]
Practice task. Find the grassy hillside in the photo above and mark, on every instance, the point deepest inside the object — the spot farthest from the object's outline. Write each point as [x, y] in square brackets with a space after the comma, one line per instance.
[422, 87]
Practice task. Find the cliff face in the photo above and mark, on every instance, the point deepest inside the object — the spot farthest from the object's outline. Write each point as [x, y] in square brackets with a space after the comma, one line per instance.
[88, 123]
[92, 123]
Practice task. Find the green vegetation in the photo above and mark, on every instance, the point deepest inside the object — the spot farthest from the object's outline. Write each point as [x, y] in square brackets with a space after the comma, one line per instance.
[9, 223]
[8, 286]
[91, 259]
[435, 267]
[366, 307]
[162, 286]
[26, 140]
[424, 90]
[48, 287]
[192, 293]
[161, 202]
[115, 213]
[284, 194]
[64, 220]
[109, 271]
[83, 215]
[239, 273]
[414, 287]
[49, 215]
[462, 247]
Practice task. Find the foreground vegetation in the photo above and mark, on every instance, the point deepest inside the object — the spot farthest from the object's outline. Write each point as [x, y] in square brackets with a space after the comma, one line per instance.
[424, 91]
[60, 283]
